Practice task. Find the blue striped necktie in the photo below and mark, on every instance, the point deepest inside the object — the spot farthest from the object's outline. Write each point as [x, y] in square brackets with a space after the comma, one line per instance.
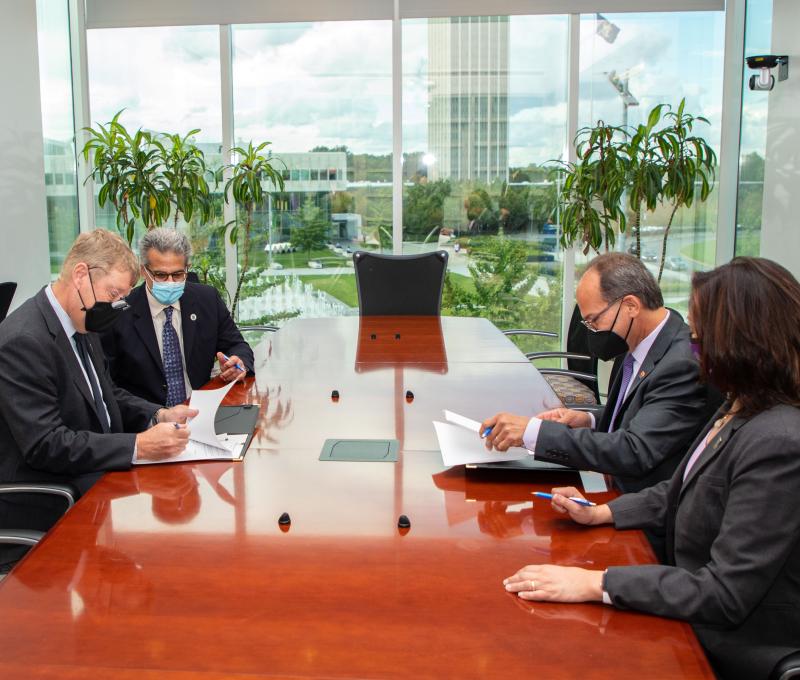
[173, 363]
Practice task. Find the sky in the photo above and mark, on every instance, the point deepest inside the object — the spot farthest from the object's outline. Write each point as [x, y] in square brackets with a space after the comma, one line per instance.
[305, 85]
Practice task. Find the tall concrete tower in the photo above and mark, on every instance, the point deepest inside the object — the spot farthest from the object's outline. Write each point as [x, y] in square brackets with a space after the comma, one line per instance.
[468, 116]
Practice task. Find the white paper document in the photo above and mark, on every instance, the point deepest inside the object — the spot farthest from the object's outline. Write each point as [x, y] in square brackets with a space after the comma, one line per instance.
[461, 444]
[195, 451]
[201, 427]
[204, 442]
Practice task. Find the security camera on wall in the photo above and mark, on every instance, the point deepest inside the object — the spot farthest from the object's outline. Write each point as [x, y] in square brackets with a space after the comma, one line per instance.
[764, 64]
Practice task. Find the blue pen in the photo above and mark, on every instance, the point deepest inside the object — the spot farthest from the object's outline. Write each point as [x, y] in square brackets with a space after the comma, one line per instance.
[227, 358]
[579, 501]
[486, 432]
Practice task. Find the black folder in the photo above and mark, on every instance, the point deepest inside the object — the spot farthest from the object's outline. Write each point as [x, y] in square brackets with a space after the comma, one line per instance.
[237, 420]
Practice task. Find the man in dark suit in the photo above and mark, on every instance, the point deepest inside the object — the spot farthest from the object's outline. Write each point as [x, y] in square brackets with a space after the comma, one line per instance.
[656, 404]
[62, 419]
[165, 346]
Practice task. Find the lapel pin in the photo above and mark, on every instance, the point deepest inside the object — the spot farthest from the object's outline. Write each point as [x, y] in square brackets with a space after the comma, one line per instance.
[193, 317]
[642, 374]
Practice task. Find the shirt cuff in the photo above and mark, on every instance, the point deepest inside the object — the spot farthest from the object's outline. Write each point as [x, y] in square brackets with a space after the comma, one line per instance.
[531, 434]
[606, 596]
[133, 460]
[592, 420]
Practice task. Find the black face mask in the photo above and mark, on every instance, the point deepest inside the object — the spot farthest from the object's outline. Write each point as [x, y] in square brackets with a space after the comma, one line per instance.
[101, 316]
[607, 345]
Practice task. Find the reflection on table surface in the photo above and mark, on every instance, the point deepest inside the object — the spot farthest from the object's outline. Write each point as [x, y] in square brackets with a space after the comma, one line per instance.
[184, 569]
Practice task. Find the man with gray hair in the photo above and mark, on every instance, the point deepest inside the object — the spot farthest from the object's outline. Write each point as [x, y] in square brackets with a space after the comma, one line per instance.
[166, 344]
[656, 404]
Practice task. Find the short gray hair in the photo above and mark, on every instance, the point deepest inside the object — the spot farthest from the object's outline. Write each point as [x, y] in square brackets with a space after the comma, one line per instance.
[622, 274]
[164, 240]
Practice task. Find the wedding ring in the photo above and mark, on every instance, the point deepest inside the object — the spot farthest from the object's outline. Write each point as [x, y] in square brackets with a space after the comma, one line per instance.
[533, 585]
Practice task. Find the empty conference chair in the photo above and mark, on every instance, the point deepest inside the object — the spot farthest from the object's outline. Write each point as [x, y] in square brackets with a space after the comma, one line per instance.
[400, 284]
[7, 291]
[575, 385]
[27, 538]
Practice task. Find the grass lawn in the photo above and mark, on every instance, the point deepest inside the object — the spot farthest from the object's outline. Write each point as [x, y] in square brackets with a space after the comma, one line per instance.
[298, 259]
[704, 252]
[343, 286]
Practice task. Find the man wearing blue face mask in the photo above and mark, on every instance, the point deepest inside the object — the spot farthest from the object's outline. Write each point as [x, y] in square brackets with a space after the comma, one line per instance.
[166, 345]
[656, 404]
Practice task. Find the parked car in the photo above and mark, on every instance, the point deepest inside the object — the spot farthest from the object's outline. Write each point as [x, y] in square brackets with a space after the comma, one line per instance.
[676, 263]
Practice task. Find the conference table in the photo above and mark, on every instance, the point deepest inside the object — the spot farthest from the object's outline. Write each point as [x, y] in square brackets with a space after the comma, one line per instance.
[184, 570]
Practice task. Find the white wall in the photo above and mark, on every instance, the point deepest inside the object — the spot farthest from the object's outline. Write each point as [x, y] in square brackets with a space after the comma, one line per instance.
[24, 247]
[780, 231]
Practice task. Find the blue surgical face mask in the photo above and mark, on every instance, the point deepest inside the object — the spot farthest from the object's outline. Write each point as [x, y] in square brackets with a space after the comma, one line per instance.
[168, 293]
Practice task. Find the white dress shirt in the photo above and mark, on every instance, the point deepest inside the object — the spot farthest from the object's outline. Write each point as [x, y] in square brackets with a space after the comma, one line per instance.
[159, 319]
[70, 330]
[531, 435]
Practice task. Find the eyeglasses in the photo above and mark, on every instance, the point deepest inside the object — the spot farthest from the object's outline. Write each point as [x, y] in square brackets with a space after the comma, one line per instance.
[162, 277]
[114, 295]
[590, 322]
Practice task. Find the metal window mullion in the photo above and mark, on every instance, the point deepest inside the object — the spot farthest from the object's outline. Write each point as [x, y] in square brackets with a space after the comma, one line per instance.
[397, 131]
[81, 111]
[573, 103]
[226, 99]
[730, 136]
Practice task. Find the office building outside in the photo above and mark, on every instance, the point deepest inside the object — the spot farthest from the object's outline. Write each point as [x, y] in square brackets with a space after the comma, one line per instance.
[468, 115]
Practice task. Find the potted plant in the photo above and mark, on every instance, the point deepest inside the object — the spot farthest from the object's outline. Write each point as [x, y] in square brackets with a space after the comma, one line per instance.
[144, 174]
[657, 163]
[245, 187]
[184, 169]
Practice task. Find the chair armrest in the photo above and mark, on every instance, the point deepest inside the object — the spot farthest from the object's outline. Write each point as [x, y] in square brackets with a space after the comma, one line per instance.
[68, 493]
[572, 374]
[20, 536]
[556, 355]
[272, 329]
[527, 331]
[788, 667]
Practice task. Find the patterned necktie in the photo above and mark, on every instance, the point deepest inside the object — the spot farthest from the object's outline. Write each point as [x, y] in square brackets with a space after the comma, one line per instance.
[82, 343]
[627, 372]
[173, 363]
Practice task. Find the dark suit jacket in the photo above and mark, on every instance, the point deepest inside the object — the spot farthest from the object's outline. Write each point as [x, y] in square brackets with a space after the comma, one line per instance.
[207, 327]
[664, 409]
[733, 544]
[49, 430]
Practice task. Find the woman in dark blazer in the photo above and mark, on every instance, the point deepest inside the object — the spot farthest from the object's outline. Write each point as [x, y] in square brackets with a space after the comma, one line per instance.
[731, 512]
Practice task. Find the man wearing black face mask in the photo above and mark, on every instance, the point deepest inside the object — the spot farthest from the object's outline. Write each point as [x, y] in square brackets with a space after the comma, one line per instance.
[656, 404]
[61, 417]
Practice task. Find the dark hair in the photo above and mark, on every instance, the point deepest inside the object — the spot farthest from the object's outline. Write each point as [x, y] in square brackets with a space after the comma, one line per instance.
[623, 274]
[746, 315]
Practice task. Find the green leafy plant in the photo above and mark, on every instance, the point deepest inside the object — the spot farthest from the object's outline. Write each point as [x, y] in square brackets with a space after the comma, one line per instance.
[127, 168]
[184, 169]
[591, 194]
[688, 161]
[144, 174]
[245, 187]
[657, 163]
[501, 279]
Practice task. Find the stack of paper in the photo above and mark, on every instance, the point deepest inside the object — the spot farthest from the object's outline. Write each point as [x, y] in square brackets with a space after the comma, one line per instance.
[461, 443]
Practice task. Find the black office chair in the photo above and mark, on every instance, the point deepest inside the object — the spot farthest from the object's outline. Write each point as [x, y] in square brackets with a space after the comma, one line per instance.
[788, 668]
[27, 538]
[7, 291]
[575, 385]
[403, 285]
